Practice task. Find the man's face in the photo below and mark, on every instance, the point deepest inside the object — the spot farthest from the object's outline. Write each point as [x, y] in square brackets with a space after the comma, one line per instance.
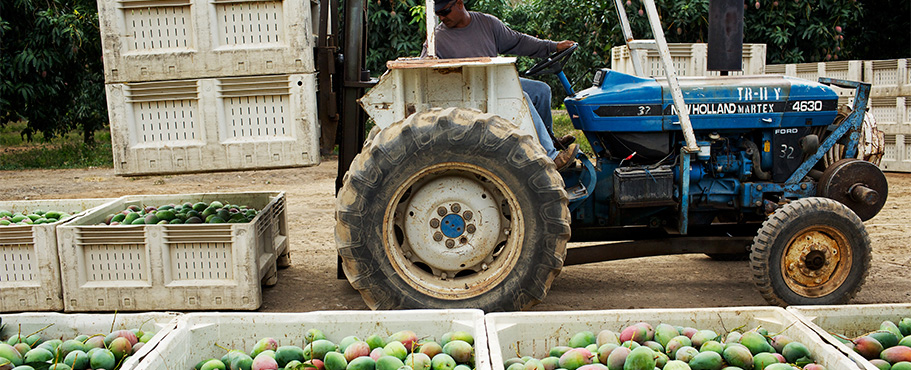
[453, 15]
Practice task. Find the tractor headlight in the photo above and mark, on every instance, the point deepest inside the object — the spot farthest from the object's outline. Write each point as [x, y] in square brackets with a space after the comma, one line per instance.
[599, 77]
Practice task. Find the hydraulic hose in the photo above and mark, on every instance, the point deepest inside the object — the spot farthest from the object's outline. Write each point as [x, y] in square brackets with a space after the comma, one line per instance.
[753, 150]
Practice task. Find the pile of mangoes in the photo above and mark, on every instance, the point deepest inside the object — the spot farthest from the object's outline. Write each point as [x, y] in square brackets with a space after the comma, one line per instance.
[35, 217]
[643, 347]
[402, 350]
[215, 212]
[98, 351]
[889, 348]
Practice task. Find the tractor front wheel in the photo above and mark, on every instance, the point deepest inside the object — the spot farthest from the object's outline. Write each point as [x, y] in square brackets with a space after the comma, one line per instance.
[812, 251]
[452, 208]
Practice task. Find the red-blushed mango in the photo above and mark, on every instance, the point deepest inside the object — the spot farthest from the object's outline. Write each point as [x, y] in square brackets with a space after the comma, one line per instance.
[315, 364]
[688, 331]
[357, 349]
[347, 341]
[779, 341]
[639, 332]
[431, 349]
[605, 351]
[376, 353]
[263, 345]
[617, 358]
[733, 337]
[460, 350]
[814, 366]
[868, 347]
[263, 361]
[575, 358]
[10, 353]
[121, 348]
[896, 354]
[407, 337]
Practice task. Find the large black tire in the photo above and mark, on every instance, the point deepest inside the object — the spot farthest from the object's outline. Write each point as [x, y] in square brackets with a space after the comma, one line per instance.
[812, 251]
[418, 168]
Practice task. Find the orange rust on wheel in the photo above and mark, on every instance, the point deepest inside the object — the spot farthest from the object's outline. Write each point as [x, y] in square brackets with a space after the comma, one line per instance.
[816, 261]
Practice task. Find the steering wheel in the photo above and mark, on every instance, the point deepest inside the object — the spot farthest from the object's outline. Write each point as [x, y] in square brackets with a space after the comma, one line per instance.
[553, 63]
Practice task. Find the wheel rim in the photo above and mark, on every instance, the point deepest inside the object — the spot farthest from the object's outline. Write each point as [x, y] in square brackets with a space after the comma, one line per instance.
[817, 261]
[453, 230]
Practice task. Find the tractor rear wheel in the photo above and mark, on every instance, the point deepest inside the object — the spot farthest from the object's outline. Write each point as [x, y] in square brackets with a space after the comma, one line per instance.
[811, 251]
[452, 208]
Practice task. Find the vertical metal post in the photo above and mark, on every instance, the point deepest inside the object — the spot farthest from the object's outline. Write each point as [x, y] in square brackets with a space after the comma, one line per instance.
[628, 35]
[671, 72]
[684, 220]
[353, 118]
[431, 25]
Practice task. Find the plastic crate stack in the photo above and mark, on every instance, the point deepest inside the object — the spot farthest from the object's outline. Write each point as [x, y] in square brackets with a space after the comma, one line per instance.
[890, 98]
[690, 59]
[197, 85]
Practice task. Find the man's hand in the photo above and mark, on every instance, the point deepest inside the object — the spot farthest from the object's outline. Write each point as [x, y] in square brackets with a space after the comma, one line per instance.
[565, 44]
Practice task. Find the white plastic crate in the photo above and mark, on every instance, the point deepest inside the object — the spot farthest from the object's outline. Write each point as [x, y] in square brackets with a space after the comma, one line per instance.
[196, 333]
[534, 333]
[29, 267]
[67, 326]
[217, 124]
[893, 118]
[183, 39]
[851, 70]
[890, 78]
[688, 59]
[172, 267]
[851, 321]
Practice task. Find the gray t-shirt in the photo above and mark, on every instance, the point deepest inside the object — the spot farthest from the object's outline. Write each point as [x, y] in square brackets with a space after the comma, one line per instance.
[487, 36]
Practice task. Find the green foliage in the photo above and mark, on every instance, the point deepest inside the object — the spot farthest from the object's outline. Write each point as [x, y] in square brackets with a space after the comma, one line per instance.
[395, 29]
[51, 67]
[797, 31]
[62, 151]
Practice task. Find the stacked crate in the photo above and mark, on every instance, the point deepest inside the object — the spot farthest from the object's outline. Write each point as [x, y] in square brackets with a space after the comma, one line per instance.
[690, 59]
[197, 85]
[890, 98]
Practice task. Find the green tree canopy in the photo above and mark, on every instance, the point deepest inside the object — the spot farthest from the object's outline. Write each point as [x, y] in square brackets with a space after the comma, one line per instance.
[51, 67]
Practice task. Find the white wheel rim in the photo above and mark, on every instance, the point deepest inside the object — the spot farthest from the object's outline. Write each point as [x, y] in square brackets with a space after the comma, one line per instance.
[453, 230]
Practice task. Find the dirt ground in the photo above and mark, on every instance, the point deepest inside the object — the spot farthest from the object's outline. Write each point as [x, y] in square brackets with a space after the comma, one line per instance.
[310, 283]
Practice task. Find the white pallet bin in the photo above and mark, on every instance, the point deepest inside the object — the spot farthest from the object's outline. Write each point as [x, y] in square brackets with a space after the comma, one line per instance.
[215, 124]
[172, 267]
[893, 118]
[534, 333]
[182, 39]
[890, 78]
[196, 333]
[688, 58]
[68, 326]
[851, 70]
[851, 321]
[29, 267]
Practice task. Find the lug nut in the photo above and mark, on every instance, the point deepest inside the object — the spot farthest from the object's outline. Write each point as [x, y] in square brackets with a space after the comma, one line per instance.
[467, 215]
[455, 208]
[484, 266]
[470, 229]
[441, 211]
[434, 223]
[450, 243]
[437, 236]
[463, 240]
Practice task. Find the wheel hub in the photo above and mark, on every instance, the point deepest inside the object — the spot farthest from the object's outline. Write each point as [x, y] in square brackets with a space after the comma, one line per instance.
[813, 260]
[452, 224]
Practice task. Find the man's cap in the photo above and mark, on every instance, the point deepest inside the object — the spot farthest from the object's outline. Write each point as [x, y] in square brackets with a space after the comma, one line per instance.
[442, 4]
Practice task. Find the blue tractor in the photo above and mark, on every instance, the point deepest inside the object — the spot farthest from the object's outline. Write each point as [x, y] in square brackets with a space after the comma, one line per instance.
[452, 203]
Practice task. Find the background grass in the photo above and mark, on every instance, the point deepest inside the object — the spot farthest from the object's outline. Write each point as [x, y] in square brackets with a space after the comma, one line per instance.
[67, 151]
[563, 125]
